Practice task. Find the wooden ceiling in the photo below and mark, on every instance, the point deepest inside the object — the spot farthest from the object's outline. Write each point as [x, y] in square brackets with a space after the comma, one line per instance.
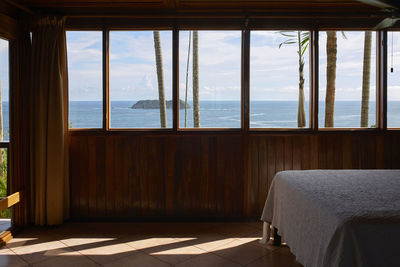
[288, 7]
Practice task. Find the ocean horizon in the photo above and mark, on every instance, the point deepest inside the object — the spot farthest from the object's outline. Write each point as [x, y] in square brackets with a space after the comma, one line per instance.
[223, 114]
[215, 114]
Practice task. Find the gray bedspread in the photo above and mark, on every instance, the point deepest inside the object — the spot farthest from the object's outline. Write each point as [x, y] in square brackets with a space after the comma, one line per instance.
[338, 217]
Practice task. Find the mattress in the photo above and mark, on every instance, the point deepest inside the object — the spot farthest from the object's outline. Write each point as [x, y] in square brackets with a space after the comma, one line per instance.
[337, 217]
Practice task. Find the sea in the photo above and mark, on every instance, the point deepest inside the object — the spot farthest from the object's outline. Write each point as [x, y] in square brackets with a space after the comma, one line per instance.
[223, 114]
[215, 114]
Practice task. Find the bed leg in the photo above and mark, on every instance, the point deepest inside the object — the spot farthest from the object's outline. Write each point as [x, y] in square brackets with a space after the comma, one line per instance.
[277, 238]
[266, 233]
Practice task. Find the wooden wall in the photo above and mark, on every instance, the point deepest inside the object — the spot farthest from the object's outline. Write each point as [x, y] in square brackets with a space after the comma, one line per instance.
[8, 27]
[205, 176]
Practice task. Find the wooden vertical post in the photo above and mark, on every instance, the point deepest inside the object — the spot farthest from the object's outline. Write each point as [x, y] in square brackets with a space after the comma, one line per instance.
[381, 80]
[245, 118]
[106, 80]
[245, 79]
[314, 78]
[175, 79]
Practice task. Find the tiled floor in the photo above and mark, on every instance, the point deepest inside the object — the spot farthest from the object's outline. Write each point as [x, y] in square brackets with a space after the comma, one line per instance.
[145, 244]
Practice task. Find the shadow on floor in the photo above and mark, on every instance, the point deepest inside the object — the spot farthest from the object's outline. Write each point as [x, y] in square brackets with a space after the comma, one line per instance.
[145, 244]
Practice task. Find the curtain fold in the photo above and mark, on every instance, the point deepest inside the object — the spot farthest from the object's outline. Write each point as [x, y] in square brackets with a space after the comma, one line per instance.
[20, 110]
[49, 139]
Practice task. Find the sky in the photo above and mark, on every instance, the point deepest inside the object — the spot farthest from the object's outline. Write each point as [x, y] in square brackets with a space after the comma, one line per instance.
[4, 73]
[273, 70]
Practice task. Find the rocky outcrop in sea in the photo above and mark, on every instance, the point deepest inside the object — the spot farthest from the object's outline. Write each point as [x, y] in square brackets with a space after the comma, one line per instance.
[155, 104]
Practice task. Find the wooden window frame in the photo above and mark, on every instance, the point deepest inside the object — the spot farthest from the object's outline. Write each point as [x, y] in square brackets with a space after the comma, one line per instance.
[6, 144]
[378, 105]
[384, 62]
[243, 25]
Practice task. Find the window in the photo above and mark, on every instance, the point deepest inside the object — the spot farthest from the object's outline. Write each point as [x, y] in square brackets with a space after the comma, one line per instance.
[393, 93]
[347, 83]
[140, 76]
[4, 128]
[210, 79]
[141, 79]
[85, 79]
[279, 79]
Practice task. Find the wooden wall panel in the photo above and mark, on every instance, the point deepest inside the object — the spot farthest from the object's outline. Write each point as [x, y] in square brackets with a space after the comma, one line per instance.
[203, 176]
[8, 27]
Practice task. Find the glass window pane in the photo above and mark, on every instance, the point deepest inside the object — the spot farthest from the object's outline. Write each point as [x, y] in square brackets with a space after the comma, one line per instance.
[5, 223]
[4, 90]
[218, 72]
[347, 68]
[85, 79]
[279, 79]
[137, 83]
[393, 94]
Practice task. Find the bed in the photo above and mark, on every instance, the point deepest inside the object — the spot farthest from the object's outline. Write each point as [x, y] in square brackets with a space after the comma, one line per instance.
[337, 217]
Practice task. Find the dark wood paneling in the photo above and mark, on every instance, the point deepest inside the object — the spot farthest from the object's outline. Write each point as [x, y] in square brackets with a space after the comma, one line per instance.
[8, 27]
[205, 176]
[283, 6]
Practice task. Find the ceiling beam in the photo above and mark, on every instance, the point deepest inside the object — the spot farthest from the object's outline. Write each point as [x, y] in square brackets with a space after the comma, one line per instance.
[20, 6]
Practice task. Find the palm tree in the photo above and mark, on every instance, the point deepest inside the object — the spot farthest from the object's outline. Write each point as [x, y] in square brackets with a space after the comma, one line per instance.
[187, 73]
[160, 77]
[302, 39]
[1, 126]
[366, 79]
[196, 110]
[331, 53]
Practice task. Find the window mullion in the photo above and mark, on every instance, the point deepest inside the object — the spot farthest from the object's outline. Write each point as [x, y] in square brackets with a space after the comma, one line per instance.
[245, 80]
[381, 78]
[314, 75]
[106, 81]
[175, 79]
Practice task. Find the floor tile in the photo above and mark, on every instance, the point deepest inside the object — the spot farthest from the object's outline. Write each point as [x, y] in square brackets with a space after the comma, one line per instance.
[9, 258]
[149, 242]
[255, 241]
[106, 253]
[235, 230]
[176, 255]
[276, 259]
[69, 259]
[208, 241]
[81, 243]
[145, 244]
[137, 259]
[23, 241]
[240, 252]
[208, 259]
[41, 251]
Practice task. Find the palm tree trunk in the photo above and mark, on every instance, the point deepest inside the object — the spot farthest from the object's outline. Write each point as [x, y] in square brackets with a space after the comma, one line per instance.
[196, 103]
[160, 77]
[301, 114]
[1, 127]
[366, 79]
[331, 52]
[187, 74]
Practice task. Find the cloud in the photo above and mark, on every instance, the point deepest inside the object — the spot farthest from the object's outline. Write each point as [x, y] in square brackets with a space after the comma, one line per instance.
[4, 69]
[274, 72]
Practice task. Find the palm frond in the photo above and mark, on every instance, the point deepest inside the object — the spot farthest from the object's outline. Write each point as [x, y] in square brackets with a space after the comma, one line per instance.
[287, 42]
[304, 49]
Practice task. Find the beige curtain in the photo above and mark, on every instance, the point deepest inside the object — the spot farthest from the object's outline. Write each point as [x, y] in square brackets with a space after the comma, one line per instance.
[19, 171]
[49, 143]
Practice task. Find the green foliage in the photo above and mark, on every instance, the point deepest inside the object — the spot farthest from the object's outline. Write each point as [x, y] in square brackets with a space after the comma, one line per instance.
[293, 38]
[3, 182]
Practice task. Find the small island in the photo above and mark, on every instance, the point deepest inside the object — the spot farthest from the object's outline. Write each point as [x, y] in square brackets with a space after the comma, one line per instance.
[155, 104]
